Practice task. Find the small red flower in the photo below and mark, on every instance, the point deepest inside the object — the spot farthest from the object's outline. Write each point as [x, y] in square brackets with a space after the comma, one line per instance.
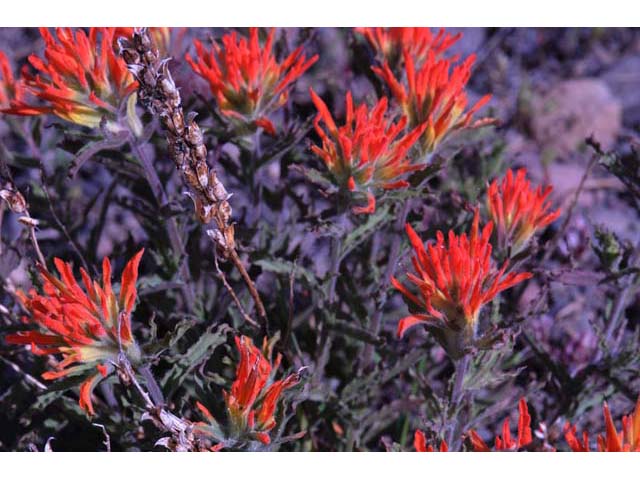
[628, 440]
[421, 445]
[86, 326]
[368, 151]
[390, 43]
[506, 442]
[246, 79]
[454, 281]
[81, 79]
[253, 399]
[518, 210]
[434, 94]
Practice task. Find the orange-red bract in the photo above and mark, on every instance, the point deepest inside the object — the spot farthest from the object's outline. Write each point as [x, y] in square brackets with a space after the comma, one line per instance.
[86, 326]
[254, 396]
[245, 77]
[628, 440]
[453, 281]
[506, 442]
[421, 445]
[433, 93]
[368, 151]
[518, 210]
[81, 79]
[391, 42]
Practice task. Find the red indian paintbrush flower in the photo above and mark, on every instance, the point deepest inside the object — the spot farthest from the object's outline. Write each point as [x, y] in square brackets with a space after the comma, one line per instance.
[453, 283]
[434, 94]
[628, 440]
[368, 151]
[506, 442]
[421, 445]
[86, 326]
[518, 210]
[81, 79]
[12, 90]
[246, 79]
[390, 43]
[253, 399]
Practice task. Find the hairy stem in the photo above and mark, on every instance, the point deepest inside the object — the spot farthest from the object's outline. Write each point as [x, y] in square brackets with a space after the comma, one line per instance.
[390, 270]
[457, 395]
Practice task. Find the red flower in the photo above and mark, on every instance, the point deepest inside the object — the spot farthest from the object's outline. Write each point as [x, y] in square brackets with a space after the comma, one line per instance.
[368, 151]
[246, 79]
[453, 282]
[389, 43]
[81, 325]
[434, 95]
[12, 90]
[253, 399]
[420, 443]
[518, 210]
[81, 79]
[506, 442]
[628, 440]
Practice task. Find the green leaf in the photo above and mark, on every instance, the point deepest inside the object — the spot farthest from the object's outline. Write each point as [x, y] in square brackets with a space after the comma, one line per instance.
[284, 267]
[194, 356]
[363, 232]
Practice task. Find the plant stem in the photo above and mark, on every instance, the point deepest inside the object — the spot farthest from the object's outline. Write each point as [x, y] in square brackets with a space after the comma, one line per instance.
[175, 238]
[457, 395]
[390, 270]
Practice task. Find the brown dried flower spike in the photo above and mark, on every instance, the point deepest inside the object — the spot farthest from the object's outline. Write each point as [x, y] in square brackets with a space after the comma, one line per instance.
[157, 92]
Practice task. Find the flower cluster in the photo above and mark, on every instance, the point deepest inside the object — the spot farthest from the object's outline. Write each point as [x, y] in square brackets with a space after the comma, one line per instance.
[245, 77]
[421, 445]
[251, 403]
[628, 440]
[454, 281]
[506, 442]
[518, 210]
[434, 94]
[87, 327]
[81, 79]
[390, 43]
[368, 151]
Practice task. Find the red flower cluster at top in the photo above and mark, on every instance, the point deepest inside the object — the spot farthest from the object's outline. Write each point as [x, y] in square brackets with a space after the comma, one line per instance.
[518, 210]
[81, 79]
[251, 403]
[421, 445]
[246, 79]
[368, 151]
[506, 442]
[87, 327]
[628, 440]
[434, 94]
[391, 42]
[453, 282]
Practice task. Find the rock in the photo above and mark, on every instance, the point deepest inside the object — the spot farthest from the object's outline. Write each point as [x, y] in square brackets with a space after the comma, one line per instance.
[623, 80]
[573, 110]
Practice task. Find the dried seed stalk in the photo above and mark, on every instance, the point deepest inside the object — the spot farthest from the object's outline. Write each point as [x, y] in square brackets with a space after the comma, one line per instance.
[157, 92]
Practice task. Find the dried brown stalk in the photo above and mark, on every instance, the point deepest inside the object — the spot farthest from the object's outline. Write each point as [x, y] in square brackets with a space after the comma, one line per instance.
[157, 92]
[17, 204]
